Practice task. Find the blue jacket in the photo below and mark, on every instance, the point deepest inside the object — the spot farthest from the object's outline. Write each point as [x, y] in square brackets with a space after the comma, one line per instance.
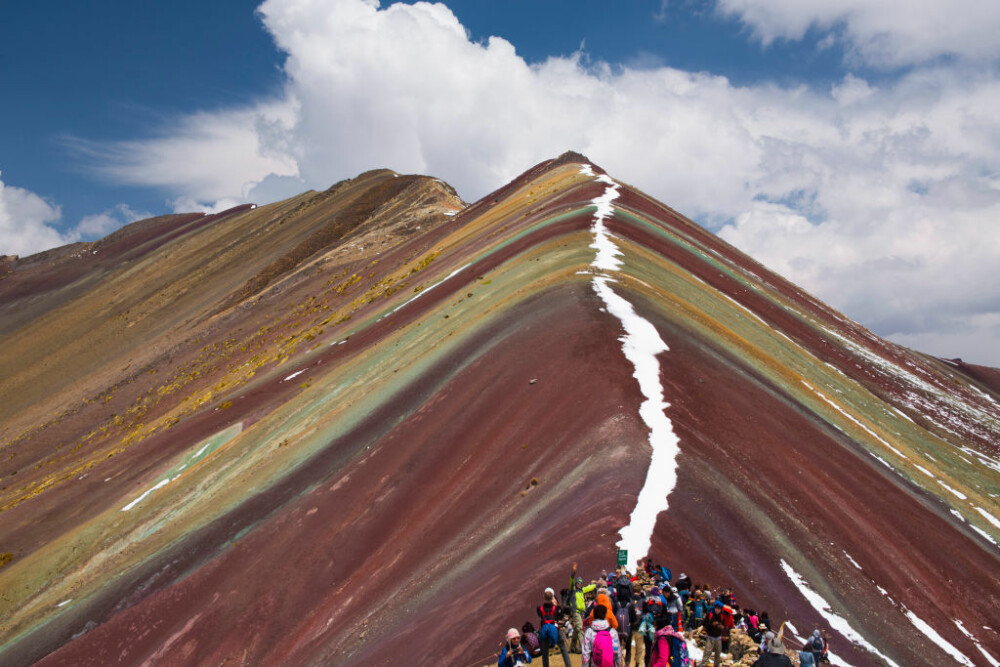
[508, 660]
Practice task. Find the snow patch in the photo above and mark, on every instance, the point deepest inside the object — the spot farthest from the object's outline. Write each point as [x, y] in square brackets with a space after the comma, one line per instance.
[158, 485]
[989, 517]
[640, 344]
[985, 535]
[851, 417]
[296, 373]
[932, 634]
[837, 622]
[853, 562]
[958, 494]
[989, 658]
[425, 291]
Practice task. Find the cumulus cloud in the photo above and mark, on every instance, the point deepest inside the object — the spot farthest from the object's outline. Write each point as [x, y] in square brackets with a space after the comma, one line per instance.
[25, 221]
[880, 199]
[884, 33]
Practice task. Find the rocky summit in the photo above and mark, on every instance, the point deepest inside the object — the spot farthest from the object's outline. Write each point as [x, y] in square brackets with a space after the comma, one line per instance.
[374, 422]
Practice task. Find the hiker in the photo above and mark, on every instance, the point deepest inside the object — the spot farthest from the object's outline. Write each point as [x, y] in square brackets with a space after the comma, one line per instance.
[775, 656]
[695, 610]
[715, 629]
[684, 587]
[806, 659]
[729, 621]
[549, 635]
[675, 608]
[764, 639]
[623, 587]
[577, 605]
[727, 597]
[512, 653]
[530, 640]
[653, 608]
[638, 643]
[669, 647]
[600, 644]
[815, 645]
[626, 621]
[603, 600]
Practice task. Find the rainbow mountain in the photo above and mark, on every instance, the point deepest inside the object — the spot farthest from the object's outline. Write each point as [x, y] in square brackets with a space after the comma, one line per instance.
[374, 422]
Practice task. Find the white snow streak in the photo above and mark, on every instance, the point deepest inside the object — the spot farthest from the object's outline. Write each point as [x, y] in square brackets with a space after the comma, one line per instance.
[853, 562]
[294, 374]
[985, 535]
[160, 484]
[425, 291]
[838, 623]
[640, 344]
[989, 517]
[958, 494]
[851, 417]
[932, 634]
[975, 641]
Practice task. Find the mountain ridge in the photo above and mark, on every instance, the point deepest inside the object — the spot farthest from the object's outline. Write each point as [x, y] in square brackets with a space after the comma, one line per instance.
[382, 359]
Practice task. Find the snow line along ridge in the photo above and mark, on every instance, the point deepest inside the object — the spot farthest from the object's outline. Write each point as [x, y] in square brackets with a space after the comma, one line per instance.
[640, 344]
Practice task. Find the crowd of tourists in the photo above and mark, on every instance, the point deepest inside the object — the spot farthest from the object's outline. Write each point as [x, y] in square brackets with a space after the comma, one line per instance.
[625, 619]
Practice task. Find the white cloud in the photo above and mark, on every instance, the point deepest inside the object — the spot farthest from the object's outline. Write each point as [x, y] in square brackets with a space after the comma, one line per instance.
[99, 225]
[885, 33]
[207, 156]
[25, 222]
[880, 200]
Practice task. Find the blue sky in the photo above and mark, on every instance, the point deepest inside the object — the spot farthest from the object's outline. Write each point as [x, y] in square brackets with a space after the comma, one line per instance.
[120, 69]
[852, 145]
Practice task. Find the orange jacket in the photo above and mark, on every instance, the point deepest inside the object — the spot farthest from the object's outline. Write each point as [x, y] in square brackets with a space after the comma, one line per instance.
[605, 602]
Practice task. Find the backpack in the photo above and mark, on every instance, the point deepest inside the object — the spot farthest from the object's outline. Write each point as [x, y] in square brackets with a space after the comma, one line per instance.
[604, 650]
[646, 627]
[624, 626]
[678, 652]
[817, 645]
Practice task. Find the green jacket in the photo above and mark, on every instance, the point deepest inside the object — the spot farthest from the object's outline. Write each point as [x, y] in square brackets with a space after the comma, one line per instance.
[576, 594]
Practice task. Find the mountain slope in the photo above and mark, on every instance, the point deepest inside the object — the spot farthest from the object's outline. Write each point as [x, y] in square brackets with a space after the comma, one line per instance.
[311, 431]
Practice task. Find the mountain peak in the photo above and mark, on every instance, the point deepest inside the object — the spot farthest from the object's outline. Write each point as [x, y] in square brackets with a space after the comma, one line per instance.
[460, 398]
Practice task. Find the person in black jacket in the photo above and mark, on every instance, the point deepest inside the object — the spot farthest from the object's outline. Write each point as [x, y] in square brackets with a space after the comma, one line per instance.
[775, 656]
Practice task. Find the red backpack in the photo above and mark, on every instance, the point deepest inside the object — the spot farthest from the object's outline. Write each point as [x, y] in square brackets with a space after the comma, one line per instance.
[604, 650]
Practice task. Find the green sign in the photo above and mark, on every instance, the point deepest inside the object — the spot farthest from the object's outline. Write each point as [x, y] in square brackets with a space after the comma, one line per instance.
[623, 556]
